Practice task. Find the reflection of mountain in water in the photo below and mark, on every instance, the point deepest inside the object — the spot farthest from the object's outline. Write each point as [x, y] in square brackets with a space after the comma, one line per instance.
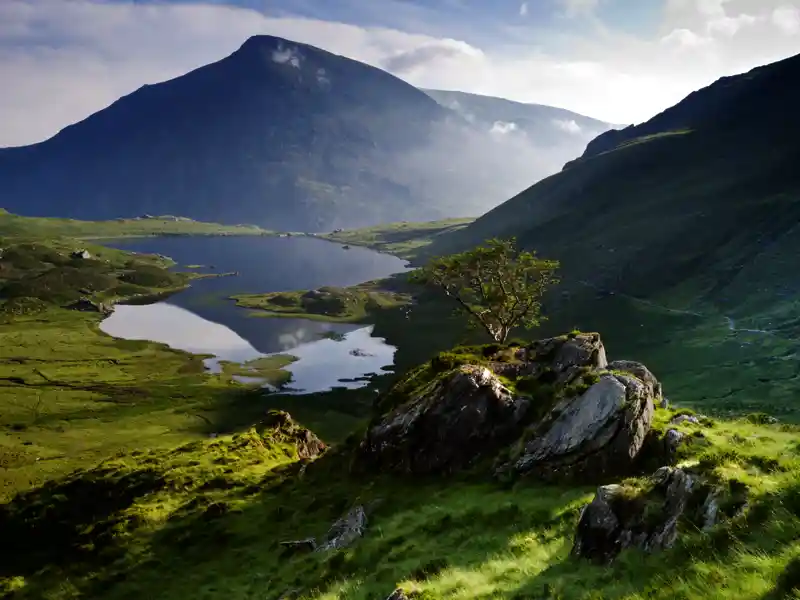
[265, 264]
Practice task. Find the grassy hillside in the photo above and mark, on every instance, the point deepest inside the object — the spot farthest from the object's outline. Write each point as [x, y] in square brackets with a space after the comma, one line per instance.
[17, 226]
[401, 239]
[205, 520]
[686, 227]
[71, 395]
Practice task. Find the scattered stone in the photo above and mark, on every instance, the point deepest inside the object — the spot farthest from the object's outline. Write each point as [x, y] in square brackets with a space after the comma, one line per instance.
[678, 419]
[345, 530]
[664, 403]
[81, 254]
[621, 517]
[673, 439]
[398, 594]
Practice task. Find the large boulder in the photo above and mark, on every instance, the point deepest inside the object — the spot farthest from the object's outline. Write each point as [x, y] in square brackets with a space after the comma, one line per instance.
[597, 432]
[551, 408]
[648, 514]
[279, 426]
[448, 424]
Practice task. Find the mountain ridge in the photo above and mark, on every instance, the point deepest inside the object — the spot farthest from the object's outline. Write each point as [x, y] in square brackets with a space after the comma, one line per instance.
[280, 134]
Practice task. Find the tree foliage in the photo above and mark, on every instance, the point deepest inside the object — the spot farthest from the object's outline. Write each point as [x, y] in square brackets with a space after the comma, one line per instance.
[496, 285]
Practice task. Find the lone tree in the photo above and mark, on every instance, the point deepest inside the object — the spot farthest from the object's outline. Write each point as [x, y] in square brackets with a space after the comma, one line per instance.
[496, 285]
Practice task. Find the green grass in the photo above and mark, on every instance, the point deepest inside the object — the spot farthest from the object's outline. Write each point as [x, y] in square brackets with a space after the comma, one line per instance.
[214, 513]
[16, 226]
[71, 395]
[401, 239]
[269, 369]
[332, 304]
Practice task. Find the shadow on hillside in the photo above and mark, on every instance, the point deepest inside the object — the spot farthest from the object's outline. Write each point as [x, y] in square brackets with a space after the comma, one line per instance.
[224, 541]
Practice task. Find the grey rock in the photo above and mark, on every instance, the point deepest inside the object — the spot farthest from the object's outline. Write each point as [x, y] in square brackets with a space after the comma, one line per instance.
[638, 370]
[345, 530]
[602, 429]
[398, 594]
[673, 439]
[81, 254]
[678, 419]
[619, 517]
[447, 425]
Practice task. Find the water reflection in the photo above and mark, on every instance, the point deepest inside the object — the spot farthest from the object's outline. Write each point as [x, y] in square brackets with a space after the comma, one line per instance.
[203, 320]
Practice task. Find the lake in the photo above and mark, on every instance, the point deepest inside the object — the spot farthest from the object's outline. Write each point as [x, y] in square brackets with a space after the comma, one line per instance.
[204, 320]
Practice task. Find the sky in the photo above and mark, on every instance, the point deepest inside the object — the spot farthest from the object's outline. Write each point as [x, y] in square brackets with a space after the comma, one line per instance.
[621, 61]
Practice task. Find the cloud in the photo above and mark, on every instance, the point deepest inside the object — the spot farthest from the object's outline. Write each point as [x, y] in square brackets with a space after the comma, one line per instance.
[787, 19]
[523, 9]
[568, 125]
[502, 127]
[574, 8]
[87, 53]
[289, 56]
[426, 55]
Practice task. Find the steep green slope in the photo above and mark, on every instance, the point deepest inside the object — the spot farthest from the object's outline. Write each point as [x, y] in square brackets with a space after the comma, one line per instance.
[676, 227]
[206, 520]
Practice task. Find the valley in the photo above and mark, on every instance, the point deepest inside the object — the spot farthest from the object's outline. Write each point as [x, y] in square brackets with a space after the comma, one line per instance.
[244, 393]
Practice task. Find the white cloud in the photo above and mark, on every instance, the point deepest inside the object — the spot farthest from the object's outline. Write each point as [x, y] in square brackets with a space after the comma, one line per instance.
[523, 9]
[787, 19]
[87, 53]
[568, 125]
[574, 8]
[503, 127]
[290, 55]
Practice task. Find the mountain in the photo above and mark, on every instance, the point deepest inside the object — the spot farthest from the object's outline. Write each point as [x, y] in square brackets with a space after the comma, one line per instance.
[280, 134]
[550, 126]
[689, 220]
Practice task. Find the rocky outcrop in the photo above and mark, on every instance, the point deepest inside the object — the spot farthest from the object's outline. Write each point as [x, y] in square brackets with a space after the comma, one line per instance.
[551, 408]
[597, 432]
[448, 424]
[648, 517]
[279, 426]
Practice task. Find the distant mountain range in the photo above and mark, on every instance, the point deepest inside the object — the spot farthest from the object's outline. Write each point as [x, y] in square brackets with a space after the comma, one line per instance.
[546, 125]
[699, 207]
[289, 136]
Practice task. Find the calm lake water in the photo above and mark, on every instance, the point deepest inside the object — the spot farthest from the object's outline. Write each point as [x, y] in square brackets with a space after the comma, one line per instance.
[203, 320]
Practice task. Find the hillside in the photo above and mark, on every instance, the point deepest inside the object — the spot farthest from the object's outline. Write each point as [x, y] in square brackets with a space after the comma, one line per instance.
[681, 234]
[280, 134]
[273, 512]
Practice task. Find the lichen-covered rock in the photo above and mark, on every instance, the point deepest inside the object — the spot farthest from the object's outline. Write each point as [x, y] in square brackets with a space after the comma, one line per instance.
[550, 408]
[597, 432]
[449, 423]
[561, 358]
[647, 518]
[278, 425]
[642, 373]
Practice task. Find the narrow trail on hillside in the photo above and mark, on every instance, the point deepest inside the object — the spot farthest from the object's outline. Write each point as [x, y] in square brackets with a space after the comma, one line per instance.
[729, 320]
